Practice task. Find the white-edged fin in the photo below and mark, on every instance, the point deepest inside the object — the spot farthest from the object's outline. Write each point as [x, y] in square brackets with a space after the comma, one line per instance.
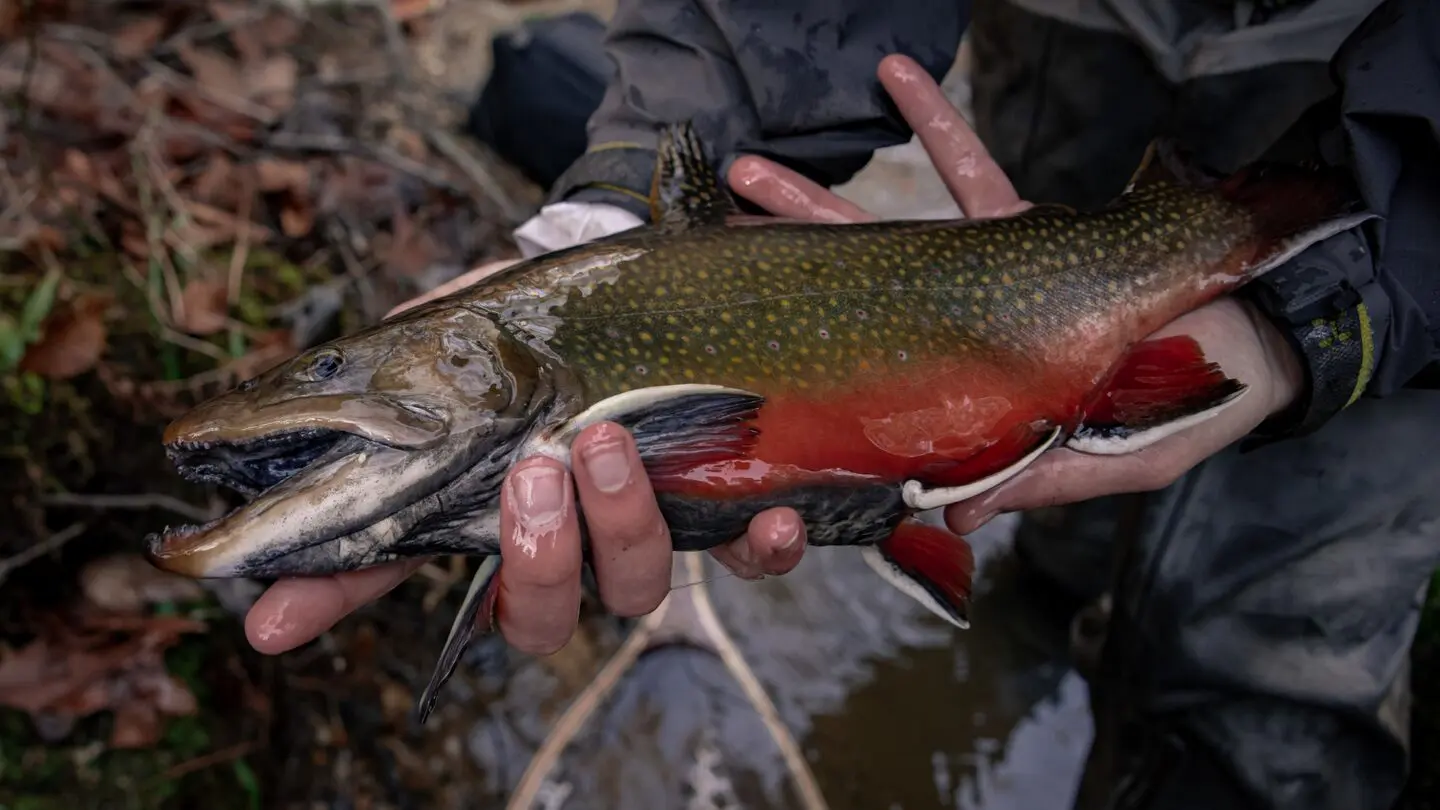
[1121, 442]
[1297, 244]
[667, 421]
[893, 574]
[922, 499]
[461, 631]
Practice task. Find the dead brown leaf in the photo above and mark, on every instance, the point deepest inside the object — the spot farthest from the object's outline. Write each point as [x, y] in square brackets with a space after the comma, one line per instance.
[214, 71]
[297, 219]
[408, 10]
[126, 583]
[204, 307]
[77, 666]
[297, 215]
[72, 339]
[272, 82]
[281, 175]
[410, 250]
[217, 184]
[138, 38]
[267, 350]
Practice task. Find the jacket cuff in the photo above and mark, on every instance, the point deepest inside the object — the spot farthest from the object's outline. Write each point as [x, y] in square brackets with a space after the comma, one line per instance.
[1335, 324]
[618, 174]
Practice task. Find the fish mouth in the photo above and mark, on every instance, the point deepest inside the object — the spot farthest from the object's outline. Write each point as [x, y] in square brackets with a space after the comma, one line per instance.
[251, 466]
[257, 468]
[288, 460]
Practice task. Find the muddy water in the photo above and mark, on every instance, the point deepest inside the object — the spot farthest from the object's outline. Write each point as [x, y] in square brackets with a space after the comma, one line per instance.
[892, 708]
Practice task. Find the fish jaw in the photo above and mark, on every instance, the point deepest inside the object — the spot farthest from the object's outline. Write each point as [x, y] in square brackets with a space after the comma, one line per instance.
[408, 422]
[350, 490]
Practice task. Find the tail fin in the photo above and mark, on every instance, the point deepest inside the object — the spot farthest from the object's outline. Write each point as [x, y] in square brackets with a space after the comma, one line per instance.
[1293, 207]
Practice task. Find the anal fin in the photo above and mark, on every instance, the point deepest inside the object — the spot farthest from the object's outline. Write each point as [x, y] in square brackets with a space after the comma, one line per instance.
[1161, 387]
[479, 602]
[1024, 440]
[928, 564]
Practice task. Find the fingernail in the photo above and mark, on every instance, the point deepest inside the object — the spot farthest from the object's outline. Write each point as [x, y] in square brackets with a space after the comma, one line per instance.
[987, 517]
[539, 494]
[790, 541]
[608, 465]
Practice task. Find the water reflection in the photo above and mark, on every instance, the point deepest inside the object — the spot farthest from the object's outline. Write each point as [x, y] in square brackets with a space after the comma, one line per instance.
[893, 708]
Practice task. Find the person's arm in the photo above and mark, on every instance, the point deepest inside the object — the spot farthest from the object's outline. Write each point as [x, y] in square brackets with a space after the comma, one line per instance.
[792, 81]
[1362, 309]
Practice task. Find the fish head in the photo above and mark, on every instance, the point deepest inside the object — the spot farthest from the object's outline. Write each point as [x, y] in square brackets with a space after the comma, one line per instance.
[337, 444]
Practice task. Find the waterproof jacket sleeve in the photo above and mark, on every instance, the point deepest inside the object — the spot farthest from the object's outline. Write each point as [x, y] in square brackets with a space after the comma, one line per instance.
[1363, 308]
[791, 81]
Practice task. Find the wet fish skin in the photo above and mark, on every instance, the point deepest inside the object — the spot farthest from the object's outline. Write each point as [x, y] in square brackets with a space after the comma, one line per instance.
[858, 373]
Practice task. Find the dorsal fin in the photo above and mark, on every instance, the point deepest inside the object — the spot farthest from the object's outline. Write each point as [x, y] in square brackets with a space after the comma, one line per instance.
[685, 192]
[1150, 171]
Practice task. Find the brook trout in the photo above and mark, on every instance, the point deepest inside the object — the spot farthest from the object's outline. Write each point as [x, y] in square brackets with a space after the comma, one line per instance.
[859, 373]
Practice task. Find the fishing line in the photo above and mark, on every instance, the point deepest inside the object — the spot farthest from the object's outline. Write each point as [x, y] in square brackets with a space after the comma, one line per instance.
[703, 581]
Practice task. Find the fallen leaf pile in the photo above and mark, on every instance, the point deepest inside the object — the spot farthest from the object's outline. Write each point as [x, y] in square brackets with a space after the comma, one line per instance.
[92, 661]
[187, 136]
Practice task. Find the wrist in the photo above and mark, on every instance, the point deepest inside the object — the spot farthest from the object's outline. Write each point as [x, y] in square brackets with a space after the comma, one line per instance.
[1283, 364]
[1333, 324]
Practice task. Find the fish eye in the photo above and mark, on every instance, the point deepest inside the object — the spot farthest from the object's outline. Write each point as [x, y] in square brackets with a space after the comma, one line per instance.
[324, 365]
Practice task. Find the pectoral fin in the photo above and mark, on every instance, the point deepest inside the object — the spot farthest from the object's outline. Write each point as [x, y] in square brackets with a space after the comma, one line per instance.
[686, 193]
[479, 604]
[919, 497]
[930, 565]
[676, 427]
[1161, 387]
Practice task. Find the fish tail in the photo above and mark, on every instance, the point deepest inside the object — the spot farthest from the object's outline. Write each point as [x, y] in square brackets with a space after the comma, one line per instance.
[1291, 208]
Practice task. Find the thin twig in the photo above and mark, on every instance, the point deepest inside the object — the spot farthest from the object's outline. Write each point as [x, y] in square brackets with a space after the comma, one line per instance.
[147, 500]
[204, 761]
[193, 344]
[242, 243]
[40, 549]
[321, 142]
[233, 103]
[210, 29]
[477, 172]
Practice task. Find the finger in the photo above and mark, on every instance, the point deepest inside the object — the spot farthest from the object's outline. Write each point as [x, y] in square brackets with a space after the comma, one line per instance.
[1066, 476]
[456, 284]
[773, 544]
[630, 543]
[785, 193]
[975, 180]
[539, 601]
[296, 611]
